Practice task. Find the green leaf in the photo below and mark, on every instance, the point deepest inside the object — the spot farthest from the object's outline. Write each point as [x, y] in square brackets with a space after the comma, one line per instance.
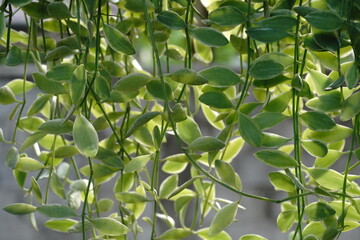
[327, 103]
[57, 186]
[171, 19]
[273, 140]
[171, 167]
[279, 103]
[329, 159]
[39, 104]
[102, 88]
[203, 53]
[19, 208]
[19, 3]
[352, 76]
[7, 96]
[27, 164]
[12, 157]
[324, 20]
[276, 158]
[327, 40]
[188, 76]
[216, 100]
[269, 119]
[266, 69]
[118, 41]
[109, 226]
[58, 10]
[204, 234]
[61, 72]
[2, 24]
[218, 76]
[281, 182]
[56, 126]
[14, 56]
[141, 121]
[17, 86]
[85, 136]
[315, 147]
[47, 85]
[168, 186]
[328, 178]
[350, 107]
[60, 225]
[36, 189]
[175, 233]
[56, 211]
[131, 197]
[209, 36]
[283, 23]
[132, 82]
[59, 53]
[178, 113]
[223, 218]
[31, 140]
[155, 88]
[66, 151]
[77, 84]
[227, 174]
[267, 35]
[206, 144]
[285, 220]
[36, 10]
[105, 204]
[318, 211]
[227, 16]
[335, 135]
[317, 121]
[252, 237]
[137, 163]
[188, 130]
[249, 130]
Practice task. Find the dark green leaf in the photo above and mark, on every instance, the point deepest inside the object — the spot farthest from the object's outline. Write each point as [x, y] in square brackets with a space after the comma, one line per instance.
[209, 36]
[324, 20]
[227, 16]
[19, 3]
[36, 10]
[269, 119]
[102, 88]
[47, 85]
[155, 88]
[58, 53]
[14, 56]
[216, 100]
[267, 35]
[350, 107]
[283, 23]
[327, 40]
[132, 82]
[62, 72]
[352, 76]
[118, 41]
[317, 121]
[319, 211]
[171, 19]
[315, 148]
[250, 130]
[39, 104]
[206, 144]
[276, 158]
[56, 126]
[327, 103]
[218, 76]
[58, 10]
[141, 121]
[266, 69]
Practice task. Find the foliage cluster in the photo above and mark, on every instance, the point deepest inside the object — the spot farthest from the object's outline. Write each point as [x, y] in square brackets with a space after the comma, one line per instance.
[297, 60]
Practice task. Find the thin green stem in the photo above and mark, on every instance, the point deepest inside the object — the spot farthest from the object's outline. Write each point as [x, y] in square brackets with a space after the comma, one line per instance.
[8, 37]
[83, 214]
